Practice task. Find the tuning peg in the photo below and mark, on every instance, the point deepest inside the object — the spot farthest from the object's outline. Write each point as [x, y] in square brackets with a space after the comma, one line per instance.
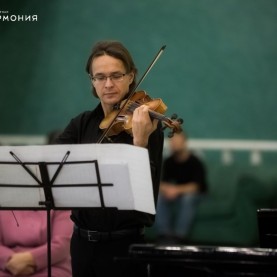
[174, 116]
[180, 120]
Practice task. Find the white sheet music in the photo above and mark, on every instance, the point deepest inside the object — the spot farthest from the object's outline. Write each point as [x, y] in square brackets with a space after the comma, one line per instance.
[115, 182]
[124, 172]
[20, 196]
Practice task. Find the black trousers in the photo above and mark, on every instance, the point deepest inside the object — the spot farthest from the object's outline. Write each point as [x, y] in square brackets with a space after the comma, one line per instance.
[104, 258]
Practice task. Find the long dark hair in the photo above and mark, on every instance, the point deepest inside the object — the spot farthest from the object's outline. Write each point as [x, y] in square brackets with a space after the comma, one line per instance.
[117, 50]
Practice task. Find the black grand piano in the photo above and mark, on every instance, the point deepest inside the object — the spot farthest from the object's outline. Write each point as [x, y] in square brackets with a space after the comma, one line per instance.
[178, 260]
[190, 260]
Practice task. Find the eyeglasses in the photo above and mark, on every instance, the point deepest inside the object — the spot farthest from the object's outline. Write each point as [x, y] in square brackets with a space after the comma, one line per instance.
[101, 79]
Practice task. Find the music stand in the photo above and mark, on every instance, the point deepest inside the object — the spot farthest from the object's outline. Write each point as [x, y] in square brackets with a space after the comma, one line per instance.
[73, 181]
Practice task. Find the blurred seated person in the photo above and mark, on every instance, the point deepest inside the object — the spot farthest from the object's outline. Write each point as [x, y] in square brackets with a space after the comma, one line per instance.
[183, 181]
[23, 243]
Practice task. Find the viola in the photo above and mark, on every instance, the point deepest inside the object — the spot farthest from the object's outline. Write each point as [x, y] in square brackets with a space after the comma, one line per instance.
[120, 120]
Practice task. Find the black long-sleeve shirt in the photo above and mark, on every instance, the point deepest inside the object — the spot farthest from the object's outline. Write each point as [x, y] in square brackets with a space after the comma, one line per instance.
[85, 129]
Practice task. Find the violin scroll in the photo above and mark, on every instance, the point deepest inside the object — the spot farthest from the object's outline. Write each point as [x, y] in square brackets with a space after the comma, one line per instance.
[174, 123]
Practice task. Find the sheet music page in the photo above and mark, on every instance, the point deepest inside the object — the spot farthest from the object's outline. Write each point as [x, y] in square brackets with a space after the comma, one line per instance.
[16, 174]
[20, 196]
[124, 165]
[83, 190]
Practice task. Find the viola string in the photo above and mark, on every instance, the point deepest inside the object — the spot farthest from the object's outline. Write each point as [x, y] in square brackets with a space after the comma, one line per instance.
[169, 123]
[133, 105]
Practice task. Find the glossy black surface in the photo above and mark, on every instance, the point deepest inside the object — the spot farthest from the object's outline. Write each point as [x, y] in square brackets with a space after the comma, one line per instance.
[177, 260]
